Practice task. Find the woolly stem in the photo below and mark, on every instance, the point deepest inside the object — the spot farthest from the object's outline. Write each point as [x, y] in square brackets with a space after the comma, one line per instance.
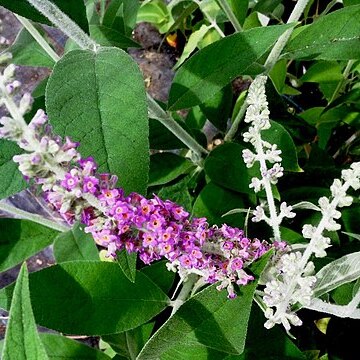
[32, 217]
[340, 85]
[156, 112]
[283, 39]
[64, 23]
[235, 125]
[184, 293]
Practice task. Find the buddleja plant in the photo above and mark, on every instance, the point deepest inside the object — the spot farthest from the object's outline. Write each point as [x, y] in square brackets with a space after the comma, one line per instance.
[135, 234]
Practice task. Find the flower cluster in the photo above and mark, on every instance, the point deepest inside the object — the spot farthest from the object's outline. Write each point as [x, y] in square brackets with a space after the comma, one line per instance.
[155, 229]
[292, 281]
[152, 228]
[257, 115]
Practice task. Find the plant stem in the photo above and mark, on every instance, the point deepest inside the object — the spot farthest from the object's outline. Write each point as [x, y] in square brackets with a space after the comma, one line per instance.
[102, 10]
[156, 112]
[212, 22]
[184, 293]
[235, 125]
[32, 217]
[340, 85]
[38, 37]
[64, 23]
[328, 7]
[269, 195]
[230, 15]
[283, 39]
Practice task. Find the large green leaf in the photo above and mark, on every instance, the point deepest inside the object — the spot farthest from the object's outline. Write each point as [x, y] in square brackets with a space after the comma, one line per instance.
[161, 138]
[121, 15]
[27, 52]
[22, 341]
[90, 297]
[99, 100]
[225, 167]
[127, 263]
[11, 180]
[217, 109]
[75, 244]
[335, 36]
[214, 201]
[338, 272]
[160, 275]
[206, 73]
[60, 347]
[178, 193]
[20, 239]
[75, 9]
[208, 325]
[128, 344]
[165, 167]
[278, 135]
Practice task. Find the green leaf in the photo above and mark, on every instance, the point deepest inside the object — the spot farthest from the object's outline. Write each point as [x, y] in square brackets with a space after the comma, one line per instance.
[225, 167]
[161, 138]
[160, 275]
[206, 73]
[266, 6]
[206, 324]
[27, 52]
[343, 294]
[110, 37]
[332, 37]
[192, 44]
[20, 239]
[22, 341]
[90, 298]
[99, 100]
[60, 347]
[178, 193]
[11, 179]
[275, 344]
[338, 272]
[240, 8]
[165, 167]
[121, 15]
[127, 263]
[279, 136]
[111, 12]
[196, 118]
[129, 343]
[350, 218]
[351, 2]
[75, 9]
[214, 201]
[75, 244]
[323, 72]
[157, 13]
[217, 108]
